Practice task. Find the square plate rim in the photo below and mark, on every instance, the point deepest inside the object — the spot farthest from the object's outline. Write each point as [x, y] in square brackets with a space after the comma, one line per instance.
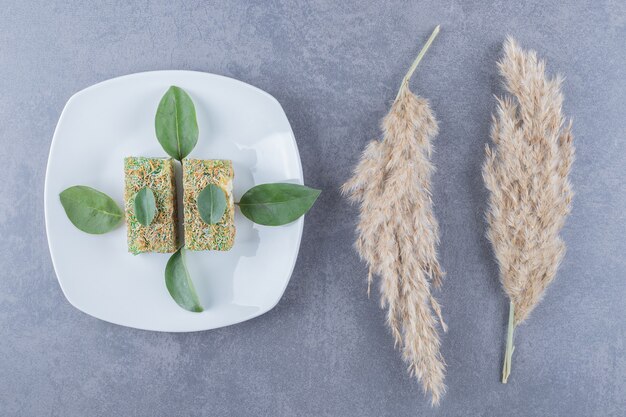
[169, 72]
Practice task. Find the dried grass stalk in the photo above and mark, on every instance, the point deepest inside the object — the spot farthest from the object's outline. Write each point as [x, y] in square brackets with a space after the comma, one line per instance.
[398, 234]
[526, 172]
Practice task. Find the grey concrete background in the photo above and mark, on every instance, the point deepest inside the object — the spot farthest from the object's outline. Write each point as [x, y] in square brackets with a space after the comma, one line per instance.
[324, 350]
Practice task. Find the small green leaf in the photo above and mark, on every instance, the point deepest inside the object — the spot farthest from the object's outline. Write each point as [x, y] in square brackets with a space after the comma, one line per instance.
[175, 123]
[145, 206]
[211, 203]
[179, 283]
[277, 204]
[90, 210]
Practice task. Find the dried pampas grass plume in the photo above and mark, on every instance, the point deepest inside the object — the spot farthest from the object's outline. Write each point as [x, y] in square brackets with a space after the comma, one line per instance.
[398, 234]
[526, 172]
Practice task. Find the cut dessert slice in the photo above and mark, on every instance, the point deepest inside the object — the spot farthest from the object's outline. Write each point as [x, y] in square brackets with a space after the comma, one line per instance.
[197, 174]
[158, 175]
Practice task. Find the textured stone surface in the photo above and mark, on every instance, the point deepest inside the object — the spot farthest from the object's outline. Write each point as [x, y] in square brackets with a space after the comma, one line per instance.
[324, 350]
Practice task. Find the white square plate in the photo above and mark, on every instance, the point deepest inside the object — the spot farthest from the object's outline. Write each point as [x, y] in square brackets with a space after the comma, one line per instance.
[113, 119]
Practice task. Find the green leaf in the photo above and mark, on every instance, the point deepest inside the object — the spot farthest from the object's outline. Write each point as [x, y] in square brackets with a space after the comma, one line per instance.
[90, 210]
[145, 206]
[175, 123]
[277, 204]
[211, 203]
[179, 283]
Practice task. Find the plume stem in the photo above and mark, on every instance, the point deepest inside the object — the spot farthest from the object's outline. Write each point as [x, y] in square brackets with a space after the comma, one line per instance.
[407, 77]
[508, 353]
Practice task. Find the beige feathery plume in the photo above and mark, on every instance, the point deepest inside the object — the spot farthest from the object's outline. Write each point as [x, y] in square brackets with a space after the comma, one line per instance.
[397, 232]
[526, 172]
